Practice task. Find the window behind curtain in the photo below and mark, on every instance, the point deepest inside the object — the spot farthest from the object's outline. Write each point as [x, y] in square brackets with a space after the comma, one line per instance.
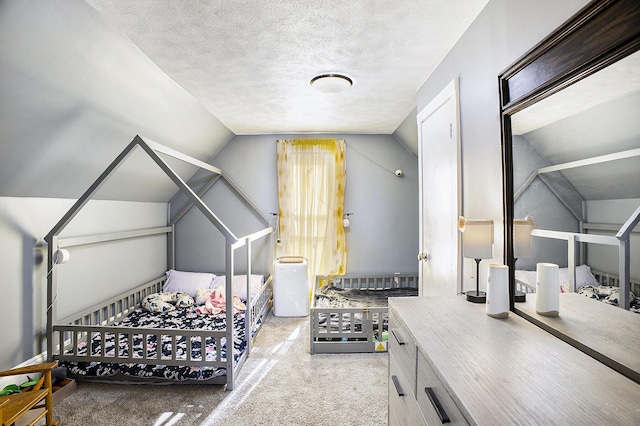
[311, 185]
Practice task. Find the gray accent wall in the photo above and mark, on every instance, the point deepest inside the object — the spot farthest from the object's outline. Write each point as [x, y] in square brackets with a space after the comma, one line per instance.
[541, 203]
[407, 132]
[74, 93]
[383, 235]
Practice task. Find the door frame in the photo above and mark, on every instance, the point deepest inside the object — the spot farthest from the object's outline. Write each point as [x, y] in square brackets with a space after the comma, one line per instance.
[449, 92]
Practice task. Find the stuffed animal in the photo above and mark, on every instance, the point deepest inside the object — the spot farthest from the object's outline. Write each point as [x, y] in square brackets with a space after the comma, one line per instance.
[164, 302]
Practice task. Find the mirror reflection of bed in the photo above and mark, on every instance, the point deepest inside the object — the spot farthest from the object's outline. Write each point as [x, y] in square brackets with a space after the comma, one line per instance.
[576, 165]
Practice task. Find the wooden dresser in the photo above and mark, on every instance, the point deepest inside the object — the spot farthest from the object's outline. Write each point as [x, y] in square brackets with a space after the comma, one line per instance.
[449, 360]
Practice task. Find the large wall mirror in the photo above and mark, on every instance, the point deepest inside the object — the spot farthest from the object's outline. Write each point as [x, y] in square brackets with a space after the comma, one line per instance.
[571, 146]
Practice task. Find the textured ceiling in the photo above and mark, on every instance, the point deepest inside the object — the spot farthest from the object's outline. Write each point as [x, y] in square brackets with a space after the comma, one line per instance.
[250, 62]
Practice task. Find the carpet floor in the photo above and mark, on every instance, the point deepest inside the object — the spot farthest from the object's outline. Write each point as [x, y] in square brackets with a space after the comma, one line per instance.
[281, 383]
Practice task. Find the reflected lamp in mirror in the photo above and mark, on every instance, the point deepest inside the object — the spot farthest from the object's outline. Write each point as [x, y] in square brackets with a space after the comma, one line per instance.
[477, 244]
[522, 228]
[522, 245]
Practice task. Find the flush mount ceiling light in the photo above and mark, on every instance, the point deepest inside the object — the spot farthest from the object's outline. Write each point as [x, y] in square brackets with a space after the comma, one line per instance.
[331, 83]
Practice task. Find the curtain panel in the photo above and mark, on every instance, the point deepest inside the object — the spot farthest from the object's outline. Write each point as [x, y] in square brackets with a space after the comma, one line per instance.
[311, 187]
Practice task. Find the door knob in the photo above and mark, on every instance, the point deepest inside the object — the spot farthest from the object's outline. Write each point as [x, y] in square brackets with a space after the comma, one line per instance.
[424, 256]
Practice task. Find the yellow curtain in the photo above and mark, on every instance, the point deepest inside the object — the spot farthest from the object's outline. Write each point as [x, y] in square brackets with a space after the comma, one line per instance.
[311, 185]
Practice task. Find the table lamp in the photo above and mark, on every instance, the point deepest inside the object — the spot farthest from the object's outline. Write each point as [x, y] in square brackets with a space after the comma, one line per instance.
[477, 244]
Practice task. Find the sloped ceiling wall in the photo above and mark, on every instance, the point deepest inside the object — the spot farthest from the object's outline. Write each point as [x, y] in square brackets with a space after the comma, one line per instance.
[594, 117]
[74, 93]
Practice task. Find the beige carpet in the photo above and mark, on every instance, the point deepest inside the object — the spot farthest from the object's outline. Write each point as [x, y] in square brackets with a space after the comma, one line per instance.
[280, 384]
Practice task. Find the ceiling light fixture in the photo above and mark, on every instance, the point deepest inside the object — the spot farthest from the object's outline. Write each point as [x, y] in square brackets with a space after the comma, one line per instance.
[331, 83]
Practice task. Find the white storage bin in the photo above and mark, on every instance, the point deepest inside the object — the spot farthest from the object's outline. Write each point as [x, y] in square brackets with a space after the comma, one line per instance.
[291, 287]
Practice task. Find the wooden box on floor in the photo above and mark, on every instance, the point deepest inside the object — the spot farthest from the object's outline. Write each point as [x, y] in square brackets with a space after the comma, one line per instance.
[60, 391]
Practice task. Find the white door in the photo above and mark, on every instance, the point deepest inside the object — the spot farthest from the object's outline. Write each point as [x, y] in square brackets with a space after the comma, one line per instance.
[440, 194]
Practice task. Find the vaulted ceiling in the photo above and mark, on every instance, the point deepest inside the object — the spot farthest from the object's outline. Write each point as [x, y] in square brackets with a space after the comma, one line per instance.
[250, 62]
[78, 80]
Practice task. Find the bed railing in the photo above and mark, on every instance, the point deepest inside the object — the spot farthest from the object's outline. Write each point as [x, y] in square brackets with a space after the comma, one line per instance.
[603, 278]
[621, 240]
[354, 329]
[369, 282]
[93, 326]
[116, 308]
[208, 341]
[613, 280]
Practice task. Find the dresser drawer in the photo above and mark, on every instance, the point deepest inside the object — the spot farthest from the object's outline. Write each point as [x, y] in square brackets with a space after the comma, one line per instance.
[403, 407]
[433, 399]
[403, 348]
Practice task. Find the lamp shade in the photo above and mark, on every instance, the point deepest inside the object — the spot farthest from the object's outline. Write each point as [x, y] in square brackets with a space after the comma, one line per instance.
[477, 238]
[522, 238]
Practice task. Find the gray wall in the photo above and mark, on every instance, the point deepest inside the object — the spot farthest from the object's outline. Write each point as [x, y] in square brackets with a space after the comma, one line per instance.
[382, 237]
[69, 84]
[503, 32]
[407, 132]
[538, 201]
[93, 273]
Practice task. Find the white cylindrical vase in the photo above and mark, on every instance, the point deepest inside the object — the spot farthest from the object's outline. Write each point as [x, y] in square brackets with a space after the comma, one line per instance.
[547, 289]
[498, 291]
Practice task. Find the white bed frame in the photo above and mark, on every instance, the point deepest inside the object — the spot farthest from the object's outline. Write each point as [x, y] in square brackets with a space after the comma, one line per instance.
[604, 278]
[95, 320]
[620, 240]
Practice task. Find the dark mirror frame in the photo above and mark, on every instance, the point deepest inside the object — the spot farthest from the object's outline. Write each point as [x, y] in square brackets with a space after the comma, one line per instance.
[600, 34]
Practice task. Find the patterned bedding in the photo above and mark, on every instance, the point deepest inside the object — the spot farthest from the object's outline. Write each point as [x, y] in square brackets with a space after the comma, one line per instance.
[184, 319]
[610, 295]
[333, 297]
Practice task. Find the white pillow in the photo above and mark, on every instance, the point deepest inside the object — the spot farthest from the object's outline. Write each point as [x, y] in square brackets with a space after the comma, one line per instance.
[187, 282]
[528, 278]
[240, 285]
[583, 277]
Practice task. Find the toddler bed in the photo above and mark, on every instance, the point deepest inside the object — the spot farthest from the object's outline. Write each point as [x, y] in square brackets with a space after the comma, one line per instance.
[168, 344]
[349, 313]
[119, 339]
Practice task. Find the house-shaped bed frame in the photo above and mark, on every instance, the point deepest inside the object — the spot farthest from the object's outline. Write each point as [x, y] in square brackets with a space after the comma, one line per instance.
[621, 240]
[85, 323]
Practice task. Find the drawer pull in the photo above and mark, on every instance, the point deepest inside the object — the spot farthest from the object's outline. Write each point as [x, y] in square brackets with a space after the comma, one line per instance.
[397, 385]
[436, 404]
[399, 340]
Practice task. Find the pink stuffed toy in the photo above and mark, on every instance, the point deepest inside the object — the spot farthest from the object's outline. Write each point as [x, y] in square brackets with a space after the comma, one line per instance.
[216, 304]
